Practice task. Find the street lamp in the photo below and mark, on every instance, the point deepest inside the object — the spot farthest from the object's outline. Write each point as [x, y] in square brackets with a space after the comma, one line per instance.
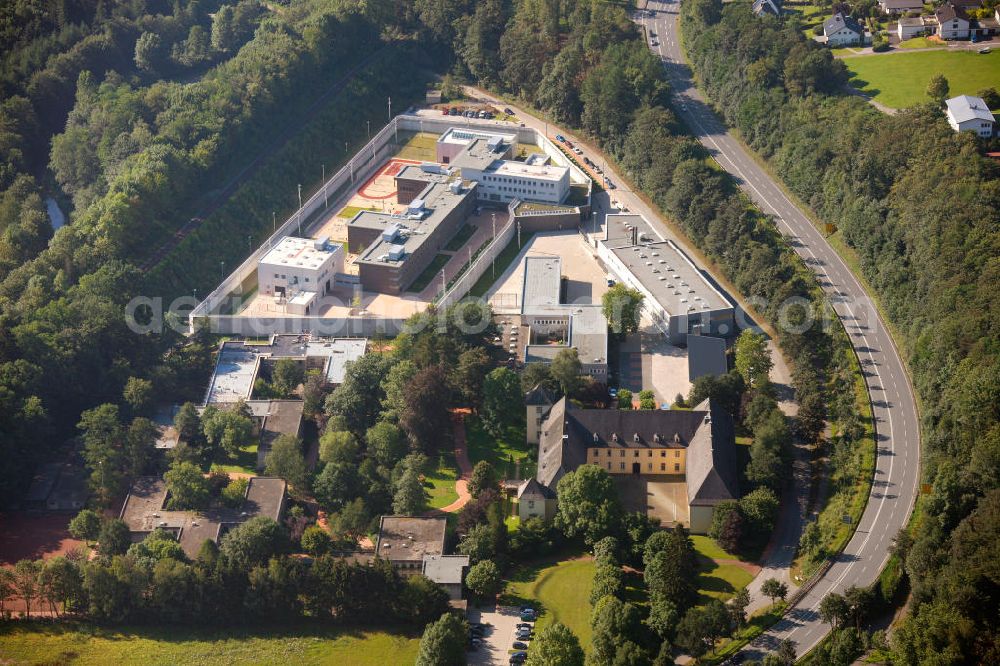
[369, 124]
[325, 202]
[300, 210]
[222, 268]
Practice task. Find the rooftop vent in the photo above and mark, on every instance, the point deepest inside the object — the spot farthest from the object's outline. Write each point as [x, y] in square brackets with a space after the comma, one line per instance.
[635, 437]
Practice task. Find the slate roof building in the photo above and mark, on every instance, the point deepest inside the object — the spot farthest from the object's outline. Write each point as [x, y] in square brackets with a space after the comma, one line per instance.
[761, 7]
[697, 444]
[841, 30]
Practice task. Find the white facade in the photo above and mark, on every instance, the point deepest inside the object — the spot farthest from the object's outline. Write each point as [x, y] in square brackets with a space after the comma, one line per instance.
[952, 26]
[970, 114]
[913, 27]
[508, 180]
[843, 37]
[298, 266]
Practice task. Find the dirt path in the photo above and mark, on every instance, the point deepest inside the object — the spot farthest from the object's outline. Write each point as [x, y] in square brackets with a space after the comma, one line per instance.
[462, 461]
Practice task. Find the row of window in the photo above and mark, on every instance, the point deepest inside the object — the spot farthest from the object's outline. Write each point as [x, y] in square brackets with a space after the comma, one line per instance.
[621, 453]
[517, 181]
[649, 467]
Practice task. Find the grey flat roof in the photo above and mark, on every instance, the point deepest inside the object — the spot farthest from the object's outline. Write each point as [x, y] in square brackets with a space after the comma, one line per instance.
[540, 287]
[439, 202]
[445, 569]
[588, 332]
[706, 356]
[410, 537]
[440, 174]
[478, 154]
[662, 267]
[340, 352]
[143, 511]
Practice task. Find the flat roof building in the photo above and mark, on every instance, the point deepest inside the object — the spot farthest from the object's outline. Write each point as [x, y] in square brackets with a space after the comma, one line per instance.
[144, 511]
[298, 270]
[503, 180]
[393, 249]
[679, 298]
[448, 571]
[406, 540]
[581, 326]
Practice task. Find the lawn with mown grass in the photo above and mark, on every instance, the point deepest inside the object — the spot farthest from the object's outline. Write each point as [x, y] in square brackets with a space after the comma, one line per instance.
[501, 452]
[900, 80]
[920, 43]
[350, 211]
[432, 271]
[559, 591]
[440, 484]
[244, 462]
[419, 146]
[83, 644]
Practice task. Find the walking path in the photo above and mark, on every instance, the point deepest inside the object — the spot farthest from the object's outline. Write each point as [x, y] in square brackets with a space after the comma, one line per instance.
[462, 461]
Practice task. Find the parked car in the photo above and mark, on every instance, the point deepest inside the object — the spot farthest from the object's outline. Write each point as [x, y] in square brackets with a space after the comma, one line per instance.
[524, 625]
[529, 616]
[653, 42]
[984, 50]
[475, 644]
[523, 634]
[518, 645]
[508, 111]
[578, 151]
[560, 138]
[446, 110]
[518, 657]
[453, 112]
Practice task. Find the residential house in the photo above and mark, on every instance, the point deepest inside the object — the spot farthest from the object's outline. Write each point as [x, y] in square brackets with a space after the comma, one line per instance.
[895, 7]
[535, 501]
[952, 22]
[761, 7]
[909, 27]
[966, 113]
[840, 30]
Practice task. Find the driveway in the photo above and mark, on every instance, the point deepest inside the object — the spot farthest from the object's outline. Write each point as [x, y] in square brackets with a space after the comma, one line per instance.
[499, 637]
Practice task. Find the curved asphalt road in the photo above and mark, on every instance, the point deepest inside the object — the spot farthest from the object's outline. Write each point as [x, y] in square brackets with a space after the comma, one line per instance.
[898, 435]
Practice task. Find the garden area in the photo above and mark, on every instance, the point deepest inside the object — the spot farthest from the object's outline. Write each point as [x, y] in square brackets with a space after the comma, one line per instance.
[440, 483]
[900, 80]
[558, 590]
[74, 643]
[501, 452]
[418, 146]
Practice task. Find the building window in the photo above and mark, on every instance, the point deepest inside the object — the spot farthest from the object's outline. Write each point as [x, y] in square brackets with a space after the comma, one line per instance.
[677, 453]
[636, 453]
[622, 452]
[677, 467]
[649, 466]
[651, 453]
[663, 454]
[609, 467]
[663, 467]
[531, 504]
[622, 465]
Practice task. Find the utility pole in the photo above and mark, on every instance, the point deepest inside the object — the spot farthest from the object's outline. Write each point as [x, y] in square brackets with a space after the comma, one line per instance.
[300, 210]
[274, 222]
[390, 109]
[519, 234]
[369, 123]
[222, 268]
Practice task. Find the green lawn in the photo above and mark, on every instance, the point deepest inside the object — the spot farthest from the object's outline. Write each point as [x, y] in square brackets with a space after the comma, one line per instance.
[245, 461]
[559, 591]
[721, 581]
[707, 547]
[900, 80]
[420, 146]
[498, 452]
[351, 211]
[460, 239]
[919, 43]
[432, 271]
[69, 643]
[440, 484]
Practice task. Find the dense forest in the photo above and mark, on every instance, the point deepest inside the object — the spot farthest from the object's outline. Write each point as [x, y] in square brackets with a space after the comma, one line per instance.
[920, 205]
[122, 111]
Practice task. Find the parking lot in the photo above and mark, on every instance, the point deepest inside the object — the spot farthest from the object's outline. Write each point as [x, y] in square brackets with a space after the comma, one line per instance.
[498, 639]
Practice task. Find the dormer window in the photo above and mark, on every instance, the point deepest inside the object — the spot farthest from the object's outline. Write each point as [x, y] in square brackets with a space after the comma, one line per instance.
[635, 437]
[596, 438]
[614, 437]
[677, 438]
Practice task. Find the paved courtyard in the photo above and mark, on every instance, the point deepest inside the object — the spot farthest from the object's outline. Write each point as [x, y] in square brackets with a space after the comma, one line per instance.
[586, 279]
[648, 361]
[662, 496]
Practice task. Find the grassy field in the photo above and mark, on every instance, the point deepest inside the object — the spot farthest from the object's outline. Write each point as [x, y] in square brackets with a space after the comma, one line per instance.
[419, 146]
[68, 643]
[721, 581]
[350, 211]
[244, 462]
[919, 43]
[432, 271]
[440, 484]
[461, 238]
[498, 452]
[560, 591]
[900, 80]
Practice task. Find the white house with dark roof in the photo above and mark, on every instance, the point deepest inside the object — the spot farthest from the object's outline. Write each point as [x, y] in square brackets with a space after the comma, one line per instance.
[900, 6]
[840, 30]
[952, 22]
[966, 113]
